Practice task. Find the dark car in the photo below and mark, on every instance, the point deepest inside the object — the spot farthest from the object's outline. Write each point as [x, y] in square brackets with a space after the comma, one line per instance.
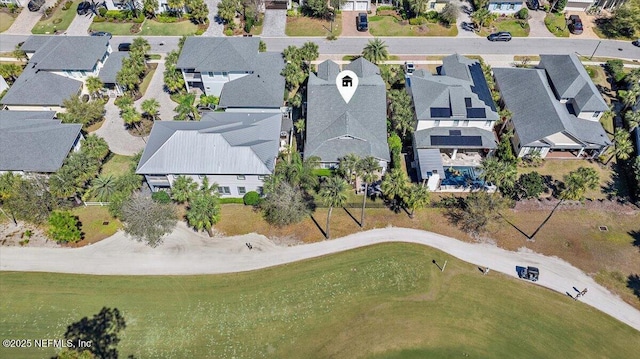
[101, 33]
[529, 273]
[125, 46]
[468, 26]
[636, 43]
[84, 8]
[575, 24]
[35, 5]
[500, 36]
[362, 23]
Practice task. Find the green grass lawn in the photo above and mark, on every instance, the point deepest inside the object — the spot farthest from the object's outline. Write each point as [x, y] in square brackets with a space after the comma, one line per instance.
[383, 301]
[93, 219]
[58, 21]
[117, 165]
[557, 24]
[147, 79]
[6, 20]
[307, 26]
[517, 28]
[149, 28]
[389, 26]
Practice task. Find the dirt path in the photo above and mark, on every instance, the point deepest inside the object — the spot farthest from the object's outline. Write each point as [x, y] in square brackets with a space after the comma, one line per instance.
[187, 252]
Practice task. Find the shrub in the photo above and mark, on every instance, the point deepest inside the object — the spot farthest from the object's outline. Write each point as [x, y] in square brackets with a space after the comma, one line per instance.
[99, 19]
[161, 197]
[383, 8]
[332, 37]
[231, 201]
[64, 227]
[523, 14]
[115, 15]
[102, 11]
[164, 18]
[199, 32]
[139, 19]
[292, 13]
[417, 21]
[251, 198]
[432, 16]
[248, 24]
[228, 32]
[67, 5]
[615, 68]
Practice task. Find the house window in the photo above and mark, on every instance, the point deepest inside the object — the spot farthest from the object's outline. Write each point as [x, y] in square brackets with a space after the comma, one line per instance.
[83, 73]
[465, 123]
[596, 114]
[224, 190]
[225, 74]
[436, 123]
[202, 176]
[487, 123]
[432, 5]
[512, 6]
[498, 6]
[262, 178]
[210, 74]
[242, 190]
[241, 177]
[260, 189]
[456, 123]
[467, 102]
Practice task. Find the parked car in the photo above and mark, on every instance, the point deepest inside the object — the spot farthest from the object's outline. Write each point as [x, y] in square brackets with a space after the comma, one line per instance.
[468, 26]
[84, 8]
[500, 36]
[101, 33]
[409, 67]
[35, 5]
[529, 273]
[362, 23]
[125, 46]
[636, 43]
[575, 24]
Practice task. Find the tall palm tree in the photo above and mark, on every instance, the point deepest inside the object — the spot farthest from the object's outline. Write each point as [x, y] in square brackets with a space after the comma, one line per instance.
[577, 182]
[502, 174]
[633, 119]
[333, 193]
[375, 51]
[183, 188]
[103, 187]
[131, 116]
[203, 211]
[94, 84]
[176, 5]
[150, 107]
[348, 166]
[416, 196]
[186, 110]
[368, 169]
[300, 127]
[623, 146]
[394, 184]
[299, 172]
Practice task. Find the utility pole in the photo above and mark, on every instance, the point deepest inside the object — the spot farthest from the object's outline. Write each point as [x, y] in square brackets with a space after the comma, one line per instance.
[596, 49]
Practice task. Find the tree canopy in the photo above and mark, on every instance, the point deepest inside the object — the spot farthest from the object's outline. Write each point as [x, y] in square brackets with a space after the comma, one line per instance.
[146, 220]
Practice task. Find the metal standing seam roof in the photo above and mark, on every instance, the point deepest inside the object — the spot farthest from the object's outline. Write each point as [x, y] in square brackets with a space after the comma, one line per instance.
[40, 88]
[221, 143]
[35, 145]
[112, 66]
[79, 53]
[536, 113]
[335, 128]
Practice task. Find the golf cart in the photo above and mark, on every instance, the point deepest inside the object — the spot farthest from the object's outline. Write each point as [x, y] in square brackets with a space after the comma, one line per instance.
[529, 273]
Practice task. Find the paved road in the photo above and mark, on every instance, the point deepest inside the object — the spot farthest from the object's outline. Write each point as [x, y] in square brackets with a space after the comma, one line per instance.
[412, 45]
[186, 252]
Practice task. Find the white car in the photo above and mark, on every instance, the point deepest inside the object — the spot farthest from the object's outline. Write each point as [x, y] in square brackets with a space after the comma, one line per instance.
[409, 67]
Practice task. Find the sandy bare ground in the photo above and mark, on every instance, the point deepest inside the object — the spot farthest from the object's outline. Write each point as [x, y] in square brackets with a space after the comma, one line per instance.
[186, 252]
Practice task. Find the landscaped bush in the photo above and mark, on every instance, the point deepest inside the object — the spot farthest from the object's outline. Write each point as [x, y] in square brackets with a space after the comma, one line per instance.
[251, 198]
[166, 18]
[432, 16]
[200, 32]
[115, 15]
[615, 68]
[228, 32]
[67, 5]
[292, 13]
[102, 11]
[139, 19]
[383, 8]
[161, 197]
[418, 21]
[248, 24]
[99, 19]
[523, 14]
[231, 201]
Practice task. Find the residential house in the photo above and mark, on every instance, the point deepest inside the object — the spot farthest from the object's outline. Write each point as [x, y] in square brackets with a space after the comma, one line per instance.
[21, 3]
[555, 109]
[3, 85]
[455, 115]
[236, 150]
[335, 128]
[235, 71]
[436, 5]
[356, 5]
[110, 71]
[35, 142]
[579, 5]
[505, 7]
[56, 70]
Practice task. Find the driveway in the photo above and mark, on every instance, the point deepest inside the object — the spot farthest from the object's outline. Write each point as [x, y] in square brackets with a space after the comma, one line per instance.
[464, 10]
[588, 23]
[187, 252]
[215, 26]
[349, 25]
[27, 20]
[114, 132]
[537, 28]
[156, 90]
[80, 25]
[274, 23]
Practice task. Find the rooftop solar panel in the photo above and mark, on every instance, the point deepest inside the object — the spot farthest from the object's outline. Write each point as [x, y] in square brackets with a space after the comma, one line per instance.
[475, 141]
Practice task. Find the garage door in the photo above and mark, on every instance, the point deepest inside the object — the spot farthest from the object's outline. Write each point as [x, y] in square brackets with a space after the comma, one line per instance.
[576, 6]
[361, 5]
[348, 6]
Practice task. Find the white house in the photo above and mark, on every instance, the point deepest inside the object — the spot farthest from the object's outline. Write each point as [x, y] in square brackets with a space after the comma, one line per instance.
[507, 7]
[356, 5]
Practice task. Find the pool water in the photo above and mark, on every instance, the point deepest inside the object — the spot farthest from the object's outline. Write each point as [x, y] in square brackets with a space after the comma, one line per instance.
[461, 176]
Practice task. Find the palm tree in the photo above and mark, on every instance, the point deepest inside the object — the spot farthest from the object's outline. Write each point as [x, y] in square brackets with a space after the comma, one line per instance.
[300, 125]
[394, 184]
[203, 211]
[186, 109]
[94, 84]
[633, 119]
[103, 187]
[176, 5]
[333, 193]
[577, 182]
[483, 17]
[131, 116]
[299, 172]
[416, 196]
[368, 169]
[150, 107]
[124, 102]
[348, 166]
[291, 54]
[502, 174]
[375, 51]
[140, 45]
[623, 146]
[631, 97]
[183, 188]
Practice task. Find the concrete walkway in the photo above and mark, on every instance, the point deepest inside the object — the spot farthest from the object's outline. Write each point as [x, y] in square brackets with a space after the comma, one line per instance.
[156, 90]
[80, 25]
[186, 252]
[27, 20]
[113, 130]
[274, 23]
[215, 26]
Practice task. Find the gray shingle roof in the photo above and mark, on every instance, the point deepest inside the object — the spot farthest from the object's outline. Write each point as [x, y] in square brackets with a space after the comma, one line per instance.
[35, 145]
[264, 88]
[226, 54]
[112, 66]
[536, 113]
[335, 128]
[40, 88]
[422, 138]
[222, 143]
[68, 52]
[444, 96]
[571, 80]
[25, 115]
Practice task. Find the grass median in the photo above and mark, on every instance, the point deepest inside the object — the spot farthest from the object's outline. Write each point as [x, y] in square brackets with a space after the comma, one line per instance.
[378, 301]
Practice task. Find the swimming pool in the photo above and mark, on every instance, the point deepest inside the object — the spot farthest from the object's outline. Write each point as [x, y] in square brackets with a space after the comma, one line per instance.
[461, 176]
